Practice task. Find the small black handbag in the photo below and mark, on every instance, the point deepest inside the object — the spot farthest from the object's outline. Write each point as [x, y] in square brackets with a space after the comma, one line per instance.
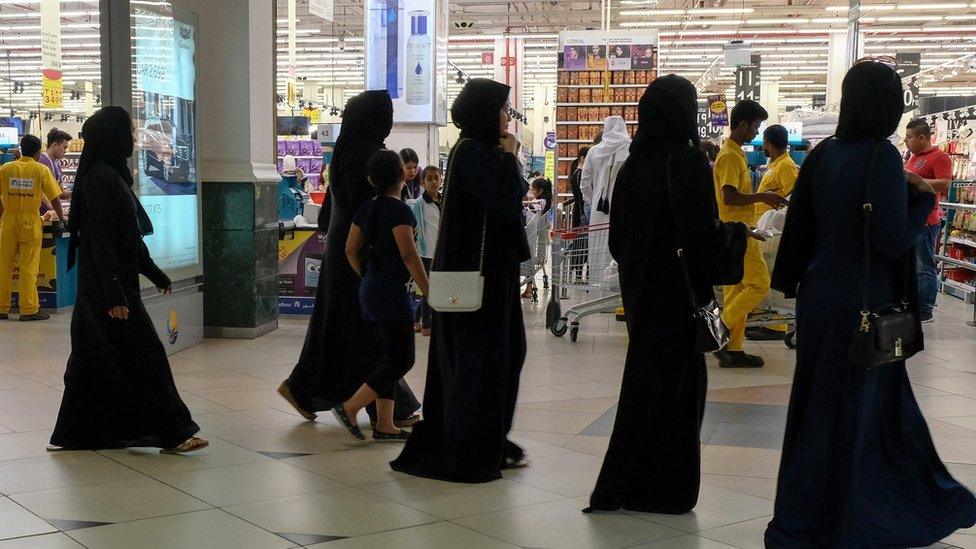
[711, 333]
[888, 334]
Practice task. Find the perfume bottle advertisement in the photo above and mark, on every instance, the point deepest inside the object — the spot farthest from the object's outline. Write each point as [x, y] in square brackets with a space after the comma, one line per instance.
[401, 42]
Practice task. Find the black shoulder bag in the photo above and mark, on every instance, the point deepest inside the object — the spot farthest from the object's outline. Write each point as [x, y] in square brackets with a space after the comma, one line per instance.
[711, 333]
[889, 334]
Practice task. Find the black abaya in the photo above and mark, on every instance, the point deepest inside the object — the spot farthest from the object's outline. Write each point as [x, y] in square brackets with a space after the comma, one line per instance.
[476, 358]
[340, 349]
[119, 389]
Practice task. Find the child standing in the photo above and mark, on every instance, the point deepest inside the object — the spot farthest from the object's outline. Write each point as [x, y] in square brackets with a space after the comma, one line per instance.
[381, 250]
[427, 212]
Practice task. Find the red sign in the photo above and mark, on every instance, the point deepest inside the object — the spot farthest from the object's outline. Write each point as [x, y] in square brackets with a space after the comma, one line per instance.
[508, 61]
[487, 58]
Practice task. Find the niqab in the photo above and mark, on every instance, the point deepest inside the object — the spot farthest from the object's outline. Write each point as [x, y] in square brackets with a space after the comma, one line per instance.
[475, 110]
[872, 102]
[667, 113]
[367, 117]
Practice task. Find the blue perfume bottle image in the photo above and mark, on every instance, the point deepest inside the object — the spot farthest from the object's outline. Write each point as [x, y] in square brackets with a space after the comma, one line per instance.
[417, 71]
[385, 57]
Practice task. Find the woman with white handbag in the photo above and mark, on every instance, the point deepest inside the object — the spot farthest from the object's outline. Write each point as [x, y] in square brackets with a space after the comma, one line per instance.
[478, 344]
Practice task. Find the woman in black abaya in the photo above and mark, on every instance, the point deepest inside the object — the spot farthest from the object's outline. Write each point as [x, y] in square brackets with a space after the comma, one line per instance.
[340, 349]
[653, 461]
[859, 468]
[476, 358]
[118, 387]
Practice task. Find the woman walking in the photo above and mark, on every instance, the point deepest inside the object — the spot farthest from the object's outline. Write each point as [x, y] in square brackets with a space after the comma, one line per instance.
[118, 387]
[858, 468]
[666, 201]
[476, 358]
[340, 348]
[382, 252]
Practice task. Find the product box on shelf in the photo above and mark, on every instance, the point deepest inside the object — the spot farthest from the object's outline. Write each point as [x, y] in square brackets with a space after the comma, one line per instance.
[307, 148]
[293, 148]
[282, 147]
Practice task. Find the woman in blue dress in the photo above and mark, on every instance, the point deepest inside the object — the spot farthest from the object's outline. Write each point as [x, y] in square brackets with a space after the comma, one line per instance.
[858, 467]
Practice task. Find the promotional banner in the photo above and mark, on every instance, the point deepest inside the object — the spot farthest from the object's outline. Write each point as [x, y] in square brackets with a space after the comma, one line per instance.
[618, 51]
[299, 262]
[718, 110]
[707, 130]
[909, 64]
[406, 45]
[52, 88]
[747, 82]
[549, 172]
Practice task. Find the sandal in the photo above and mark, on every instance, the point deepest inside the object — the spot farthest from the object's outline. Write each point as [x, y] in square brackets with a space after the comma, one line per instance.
[402, 436]
[191, 444]
[285, 391]
[340, 414]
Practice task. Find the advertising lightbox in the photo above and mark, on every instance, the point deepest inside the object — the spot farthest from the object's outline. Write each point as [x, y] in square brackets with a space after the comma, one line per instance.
[406, 54]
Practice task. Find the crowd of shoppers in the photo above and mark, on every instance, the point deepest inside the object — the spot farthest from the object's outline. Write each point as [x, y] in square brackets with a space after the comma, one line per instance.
[858, 465]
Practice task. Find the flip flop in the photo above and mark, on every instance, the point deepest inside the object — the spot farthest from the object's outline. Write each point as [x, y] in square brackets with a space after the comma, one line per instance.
[191, 444]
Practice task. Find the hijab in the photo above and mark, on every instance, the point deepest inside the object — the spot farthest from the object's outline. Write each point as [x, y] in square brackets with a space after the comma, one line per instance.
[601, 159]
[108, 140]
[366, 119]
[871, 105]
[475, 110]
[667, 113]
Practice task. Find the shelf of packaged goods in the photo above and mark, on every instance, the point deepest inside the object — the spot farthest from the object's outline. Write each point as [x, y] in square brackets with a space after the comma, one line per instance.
[954, 206]
[297, 157]
[69, 170]
[598, 86]
[962, 241]
[952, 262]
[585, 123]
[596, 104]
[562, 177]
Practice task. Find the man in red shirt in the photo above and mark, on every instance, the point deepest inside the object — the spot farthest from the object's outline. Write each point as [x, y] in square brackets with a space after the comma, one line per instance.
[935, 167]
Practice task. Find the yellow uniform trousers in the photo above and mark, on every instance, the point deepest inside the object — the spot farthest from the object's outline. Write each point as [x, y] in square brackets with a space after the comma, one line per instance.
[744, 297]
[20, 234]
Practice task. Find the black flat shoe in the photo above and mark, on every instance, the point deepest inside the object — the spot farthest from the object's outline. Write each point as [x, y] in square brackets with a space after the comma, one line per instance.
[340, 414]
[402, 436]
[738, 359]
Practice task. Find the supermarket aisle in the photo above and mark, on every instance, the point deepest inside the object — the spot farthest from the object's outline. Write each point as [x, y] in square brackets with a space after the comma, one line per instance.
[271, 480]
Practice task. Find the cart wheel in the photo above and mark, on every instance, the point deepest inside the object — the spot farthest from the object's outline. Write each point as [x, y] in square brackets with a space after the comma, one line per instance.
[574, 333]
[535, 295]
[559, 328]
[553, 312]
[790, 340]
[545, 281]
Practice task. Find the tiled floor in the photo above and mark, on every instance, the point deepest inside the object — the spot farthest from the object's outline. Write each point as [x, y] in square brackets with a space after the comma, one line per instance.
[272, 480]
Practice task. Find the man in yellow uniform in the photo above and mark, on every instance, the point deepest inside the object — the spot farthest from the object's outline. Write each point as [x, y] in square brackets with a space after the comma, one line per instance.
[24, 183]
[780, 177]
[737, 202]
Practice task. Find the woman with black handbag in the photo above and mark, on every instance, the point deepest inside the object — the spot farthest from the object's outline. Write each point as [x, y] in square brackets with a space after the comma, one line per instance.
[858, 468]
[652, 464]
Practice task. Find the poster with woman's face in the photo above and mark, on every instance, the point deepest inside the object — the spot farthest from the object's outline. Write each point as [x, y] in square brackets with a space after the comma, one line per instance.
[596, 58]
[643, 57]
[620, 57]
[574, 58]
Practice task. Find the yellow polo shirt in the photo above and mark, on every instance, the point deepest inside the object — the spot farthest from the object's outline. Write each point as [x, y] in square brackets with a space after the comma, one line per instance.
[731, 169]
[24, 183]
[780, 177]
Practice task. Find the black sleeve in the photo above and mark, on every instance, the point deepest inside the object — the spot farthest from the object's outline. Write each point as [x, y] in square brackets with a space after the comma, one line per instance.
[103, 203]
[357, 179]
[494, 183]
[357, 218]
[799, 240]
[404, 216]
[627, 240]
[711, 246]
[149, 269]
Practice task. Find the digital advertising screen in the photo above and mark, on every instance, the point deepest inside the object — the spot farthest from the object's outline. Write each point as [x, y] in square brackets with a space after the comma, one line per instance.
[406, 43]
[164, 113]
[616, 51]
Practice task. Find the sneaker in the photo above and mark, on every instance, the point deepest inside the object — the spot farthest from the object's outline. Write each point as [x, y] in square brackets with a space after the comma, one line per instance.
[35, 316]
[927, 318]
[738, 359]
[765, 334]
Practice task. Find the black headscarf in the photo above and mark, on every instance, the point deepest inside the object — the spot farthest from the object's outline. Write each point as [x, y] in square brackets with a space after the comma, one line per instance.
[475, 110]
[108, 140]
[871, 104]
[367, 117]
[668, 112]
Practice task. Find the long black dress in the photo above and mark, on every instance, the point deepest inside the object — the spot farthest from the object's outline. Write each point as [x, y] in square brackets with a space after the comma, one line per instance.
[653, 461]
[340, 349]
[859, 468]
[119, 389]
[476, 358]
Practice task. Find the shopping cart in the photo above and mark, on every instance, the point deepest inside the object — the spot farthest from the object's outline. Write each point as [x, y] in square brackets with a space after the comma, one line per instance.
[537, 234]
[581, 266]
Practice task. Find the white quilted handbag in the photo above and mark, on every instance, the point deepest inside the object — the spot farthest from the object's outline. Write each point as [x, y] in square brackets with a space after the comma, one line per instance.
[456, 291]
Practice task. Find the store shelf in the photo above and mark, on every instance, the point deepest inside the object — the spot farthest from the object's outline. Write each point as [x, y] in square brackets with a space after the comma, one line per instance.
[598, 86]
[956, 262]
[585, 123]
[314, 156]
[953, 206]
[962, 241]
[597, 104]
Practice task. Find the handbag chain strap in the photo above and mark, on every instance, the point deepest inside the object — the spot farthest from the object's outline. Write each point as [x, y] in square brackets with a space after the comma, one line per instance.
[680, 252]
[440, 228]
